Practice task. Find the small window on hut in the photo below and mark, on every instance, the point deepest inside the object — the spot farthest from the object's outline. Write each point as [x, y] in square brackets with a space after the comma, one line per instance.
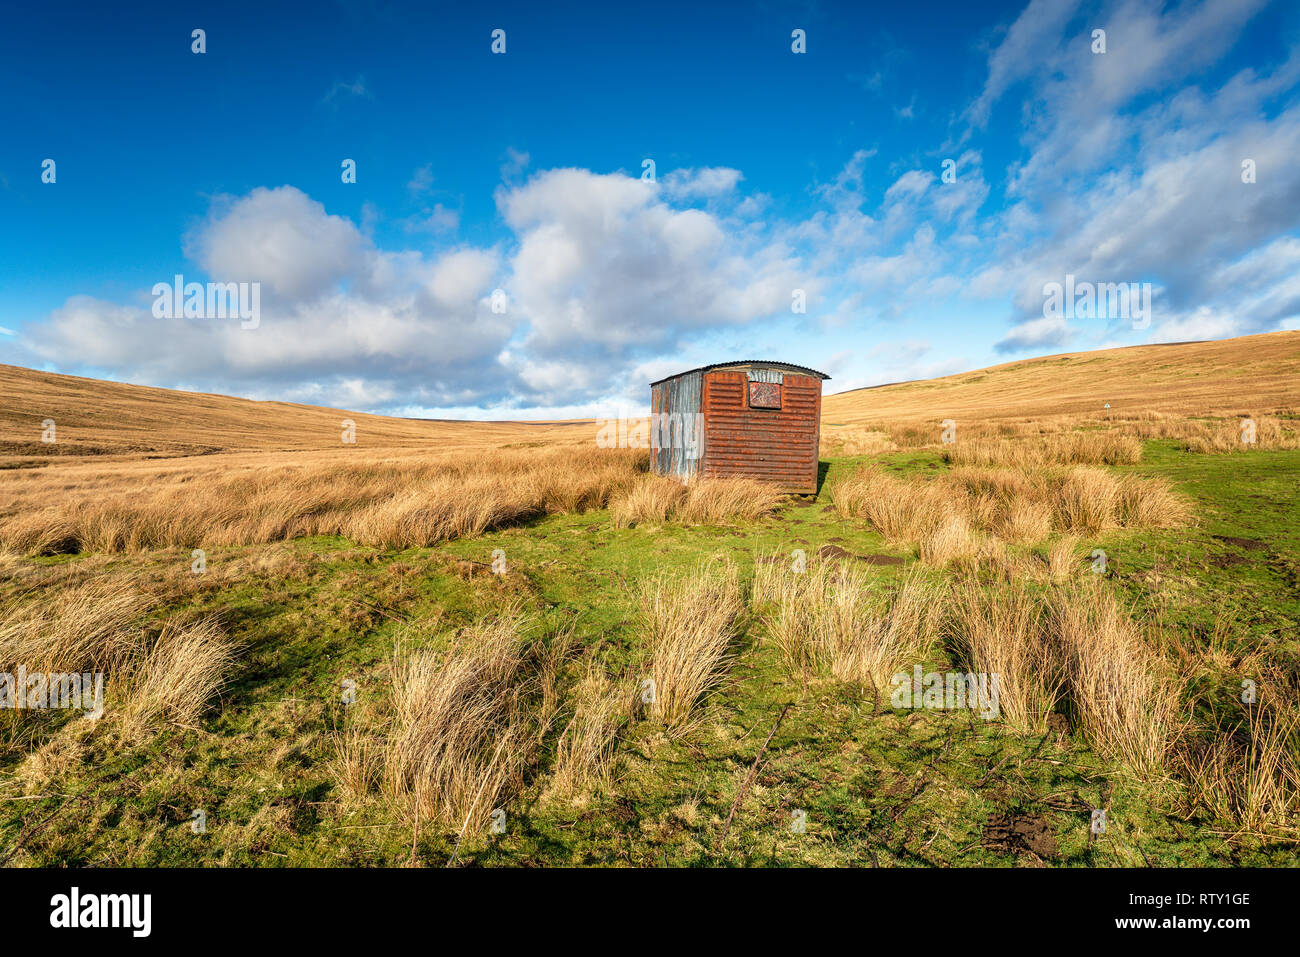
[765, 395]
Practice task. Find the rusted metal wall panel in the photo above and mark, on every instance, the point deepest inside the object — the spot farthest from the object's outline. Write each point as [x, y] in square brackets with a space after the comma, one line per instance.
[772, 445]
[675, 446]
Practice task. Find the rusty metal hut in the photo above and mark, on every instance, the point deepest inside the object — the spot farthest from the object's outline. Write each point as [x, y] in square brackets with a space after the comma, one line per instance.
[755, 419]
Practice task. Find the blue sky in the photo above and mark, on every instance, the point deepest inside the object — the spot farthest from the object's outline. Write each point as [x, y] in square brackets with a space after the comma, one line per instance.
[523, 172]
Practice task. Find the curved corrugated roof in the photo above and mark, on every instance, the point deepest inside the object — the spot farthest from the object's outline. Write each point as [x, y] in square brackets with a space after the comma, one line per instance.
[748, 364]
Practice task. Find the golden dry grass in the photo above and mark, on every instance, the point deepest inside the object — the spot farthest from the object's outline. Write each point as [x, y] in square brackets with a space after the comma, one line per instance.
[1243, 435]
[356, 763]
[1247, 376]
[688, 624]
[719, 500]
[649, 501]
[117, 420]
[1073, 645]
[139, 468]
[1089, 408]
[1228, 377]
[998, 631]
[392, 501]
[1250, 774]
[794, 604]
[850, 441]
[1063, 558]
[945, 516]
[90, 627]
[466, 723]
[1123, 696]
[949, 540]
[1098, 438]
[398, 499]
[901, 510]
[464, 726]
[655, 499]
[180, 675]
[584, 754]
[830, 619]
[1066, 448]
[99, 627]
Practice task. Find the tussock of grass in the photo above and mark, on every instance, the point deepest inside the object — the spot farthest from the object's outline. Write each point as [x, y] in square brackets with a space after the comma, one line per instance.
[828, 619]
[10, 563]
[1068, 448]
[1023, 521]
[901, 633]
[998, 631]
[464, 725]
[90, 627]
[655, 499]
[1063, 558]
[1073, 644]
[584, 755]
[1228, 436]
[1122, 694]
[1150, 503]
[1085, 500]
[54, 762]
[688, 625]
[179, 675]
[98, 627]
[356, 763]
[712, 501]
[950, 540]
[392, 503]
[1248, 773]
[942, 515]
[650, 501]
[900, 510]
[794, 606]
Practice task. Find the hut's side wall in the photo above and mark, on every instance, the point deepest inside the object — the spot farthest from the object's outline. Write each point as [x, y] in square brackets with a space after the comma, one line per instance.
[674, 439]
[773, 445]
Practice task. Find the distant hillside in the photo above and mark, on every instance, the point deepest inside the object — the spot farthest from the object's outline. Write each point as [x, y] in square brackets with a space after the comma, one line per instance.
[1251, 374]
[93, 417]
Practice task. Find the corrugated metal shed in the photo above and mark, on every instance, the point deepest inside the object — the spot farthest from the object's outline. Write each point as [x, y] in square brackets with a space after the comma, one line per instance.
[674, 425]
[748, 364]
[752, 418]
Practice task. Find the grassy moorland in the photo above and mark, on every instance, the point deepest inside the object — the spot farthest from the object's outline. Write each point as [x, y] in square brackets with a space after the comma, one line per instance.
[393, 654]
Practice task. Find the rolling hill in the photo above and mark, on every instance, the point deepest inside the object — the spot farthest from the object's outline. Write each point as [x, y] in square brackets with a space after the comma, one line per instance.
[1247, 375]
[95, 417]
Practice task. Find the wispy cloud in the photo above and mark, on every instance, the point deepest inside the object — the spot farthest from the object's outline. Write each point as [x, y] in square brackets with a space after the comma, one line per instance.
[342, 92]
[421, 180]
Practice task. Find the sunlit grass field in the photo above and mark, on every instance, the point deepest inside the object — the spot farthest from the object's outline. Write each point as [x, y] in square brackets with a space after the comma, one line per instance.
[532, 653]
